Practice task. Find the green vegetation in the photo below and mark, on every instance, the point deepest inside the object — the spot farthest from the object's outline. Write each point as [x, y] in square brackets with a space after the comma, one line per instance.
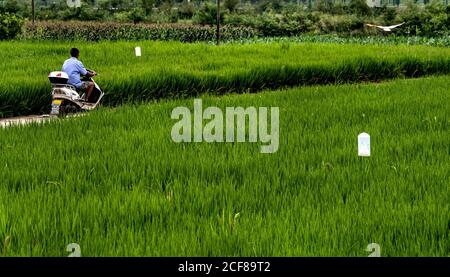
[10, 26]
[174, 70]
[393, 40]
[267, 17]
[115, 183]
[96, 31]
[328, 17]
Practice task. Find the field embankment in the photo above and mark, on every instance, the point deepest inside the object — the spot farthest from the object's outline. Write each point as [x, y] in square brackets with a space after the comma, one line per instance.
[174, 70]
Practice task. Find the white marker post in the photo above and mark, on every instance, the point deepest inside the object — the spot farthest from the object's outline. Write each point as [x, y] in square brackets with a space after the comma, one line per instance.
[138, 51]
[364, 145]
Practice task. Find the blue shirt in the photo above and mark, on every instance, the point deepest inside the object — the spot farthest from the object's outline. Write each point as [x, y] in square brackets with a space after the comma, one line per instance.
[74, 68]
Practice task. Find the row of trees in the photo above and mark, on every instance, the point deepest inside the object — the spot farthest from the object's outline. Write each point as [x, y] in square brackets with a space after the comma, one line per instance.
[271, 18]
[23, 7]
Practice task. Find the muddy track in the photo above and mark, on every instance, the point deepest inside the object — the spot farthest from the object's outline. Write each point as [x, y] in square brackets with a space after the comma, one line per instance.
[24, 120]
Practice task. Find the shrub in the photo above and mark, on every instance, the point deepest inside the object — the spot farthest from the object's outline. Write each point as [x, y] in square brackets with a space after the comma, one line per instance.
[10, 26]
[448, 17]
[268, 25]
[342, 24]
[360, 7]
[84, 12]
[411, 14]
[89, 14]
[231, 4]
[324, 6]
[294, 23]
[339, 8]
[173, 16]
[269, 5]
[186, 10]
[431, 20]
[437, 19]
[147, 6]
[123, 16]
[389, 15]
[271, 24]
[10, 6]
[137, 15]
[207, 14]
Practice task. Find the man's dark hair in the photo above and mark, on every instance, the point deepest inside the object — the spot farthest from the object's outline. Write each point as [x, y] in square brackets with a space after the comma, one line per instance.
[74, 52]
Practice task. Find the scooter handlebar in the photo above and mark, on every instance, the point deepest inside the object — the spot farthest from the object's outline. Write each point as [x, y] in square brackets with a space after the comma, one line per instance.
[92, 72]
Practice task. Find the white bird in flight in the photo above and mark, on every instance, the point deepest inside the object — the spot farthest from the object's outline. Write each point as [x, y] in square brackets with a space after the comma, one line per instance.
[386, 28]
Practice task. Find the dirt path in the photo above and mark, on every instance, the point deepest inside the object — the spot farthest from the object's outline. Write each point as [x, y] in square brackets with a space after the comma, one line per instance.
[23, 120]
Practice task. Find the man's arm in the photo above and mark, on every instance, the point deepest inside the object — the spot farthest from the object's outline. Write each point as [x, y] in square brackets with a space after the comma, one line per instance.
[84, 72]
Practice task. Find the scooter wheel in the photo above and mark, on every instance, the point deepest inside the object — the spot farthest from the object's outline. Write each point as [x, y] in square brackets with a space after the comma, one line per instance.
[68, 108]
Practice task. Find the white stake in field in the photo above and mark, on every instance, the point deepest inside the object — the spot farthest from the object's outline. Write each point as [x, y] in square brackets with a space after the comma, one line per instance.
[137, 50]
[364, 145]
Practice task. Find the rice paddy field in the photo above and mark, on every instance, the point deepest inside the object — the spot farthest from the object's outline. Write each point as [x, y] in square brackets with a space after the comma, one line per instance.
[176, 70]
[114, 182]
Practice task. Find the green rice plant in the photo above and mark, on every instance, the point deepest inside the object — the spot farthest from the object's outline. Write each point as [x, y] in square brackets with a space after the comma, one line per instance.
[442, 41]
[115, 183]
[177, 70]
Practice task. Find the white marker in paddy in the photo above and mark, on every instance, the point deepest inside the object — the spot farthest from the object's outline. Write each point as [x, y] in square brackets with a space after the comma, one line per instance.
[364, 145]
[138, 51]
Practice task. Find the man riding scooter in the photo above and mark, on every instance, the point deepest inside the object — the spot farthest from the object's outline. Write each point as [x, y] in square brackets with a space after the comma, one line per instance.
[74, 68]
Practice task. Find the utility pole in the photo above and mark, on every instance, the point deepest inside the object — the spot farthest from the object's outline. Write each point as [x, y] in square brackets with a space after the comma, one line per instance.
[32, 12]
[218, 23]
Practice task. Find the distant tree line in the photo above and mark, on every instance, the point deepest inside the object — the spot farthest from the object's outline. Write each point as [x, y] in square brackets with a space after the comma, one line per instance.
[187, 7]
[267, 17]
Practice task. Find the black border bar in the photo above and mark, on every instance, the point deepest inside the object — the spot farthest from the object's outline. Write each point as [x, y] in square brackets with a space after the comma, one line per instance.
[225, 266]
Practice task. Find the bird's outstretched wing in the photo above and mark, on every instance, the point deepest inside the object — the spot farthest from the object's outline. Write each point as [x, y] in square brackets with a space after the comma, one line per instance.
[395, 26]
[385, 28]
